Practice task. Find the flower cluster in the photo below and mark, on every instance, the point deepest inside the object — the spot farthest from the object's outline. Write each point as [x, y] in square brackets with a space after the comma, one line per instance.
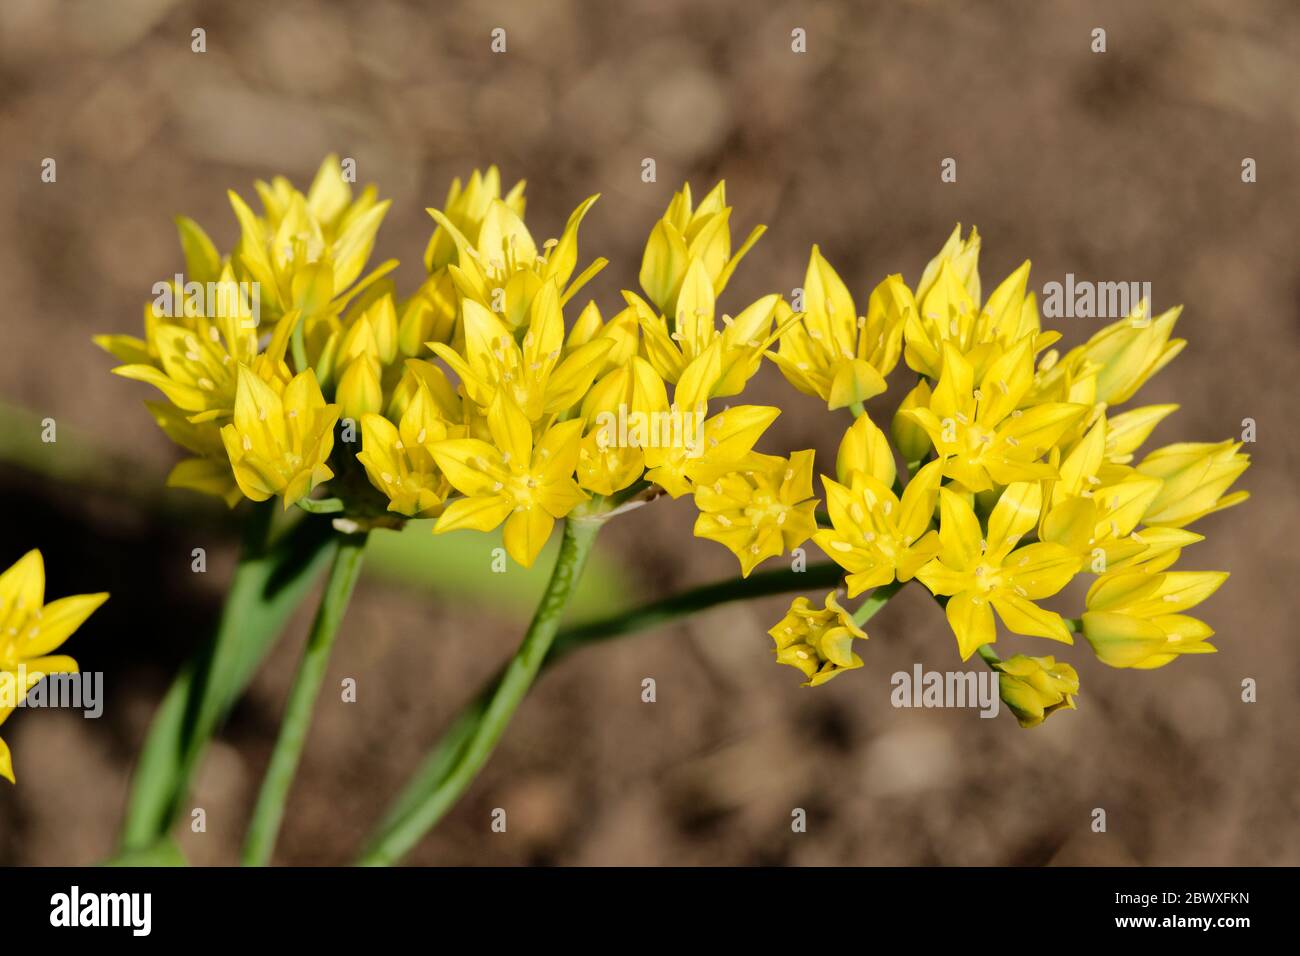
[30, 630]
[1021, 472]
[285, 366]
[474, 401]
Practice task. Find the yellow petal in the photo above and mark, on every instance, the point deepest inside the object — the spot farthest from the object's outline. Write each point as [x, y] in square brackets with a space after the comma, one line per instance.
[59, 619]
[526, 532]
[971, 620]
[1022, 616]
[478, 514]
[22, 586]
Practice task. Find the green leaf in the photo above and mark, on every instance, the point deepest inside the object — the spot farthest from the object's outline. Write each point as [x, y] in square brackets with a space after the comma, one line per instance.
[267, 586]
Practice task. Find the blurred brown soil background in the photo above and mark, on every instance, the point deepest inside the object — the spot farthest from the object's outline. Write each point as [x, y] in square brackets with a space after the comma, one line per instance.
[1117, 166]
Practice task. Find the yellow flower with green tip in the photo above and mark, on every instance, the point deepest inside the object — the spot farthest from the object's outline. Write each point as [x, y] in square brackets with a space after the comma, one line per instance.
[279, 444]
[834, 354]
[1036, 687]
[687, 234]
[29, 630]
[760, 511]
[982, 573]
[527, 485]
[1134, 617]
[979, 430]
[1195, 479]
[818, 641]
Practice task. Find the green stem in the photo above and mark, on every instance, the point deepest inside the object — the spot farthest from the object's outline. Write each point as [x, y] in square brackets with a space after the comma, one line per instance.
[298, 346]
[463, 760]
[858, 409]
[875, 601]
[269, 581]
[269, 810]
[321, 506]
[396, 833]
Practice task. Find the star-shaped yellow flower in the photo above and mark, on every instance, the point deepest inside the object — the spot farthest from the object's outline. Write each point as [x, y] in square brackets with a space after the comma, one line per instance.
[978, 428]
[29, 630]
[985, 573]
[279, 445]
[832, 352]
[525, 484]
[761, 511]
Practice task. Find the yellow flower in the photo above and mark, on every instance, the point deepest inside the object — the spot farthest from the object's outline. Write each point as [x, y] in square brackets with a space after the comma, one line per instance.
[533, 376]
[366, 349]
[431, 312]
[626, 412]
[466, 208]
[761, 511]
[200, 352]
[1120, 358]
[723, 443]
[979, 431]
[526, 485]
[208, 472]
[29, 630]
[962, 256]
[502, 269]
[621, 330]
[1035, 687]
[693, 335]
[909, 437]
[685, 235]
[875, 536]
[1134, 620]
[307, 252]
[948, 311]
[986, 573]
[278, 444]
[833, 353]
[1195, 477]
[817, 641]
[398, 459]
